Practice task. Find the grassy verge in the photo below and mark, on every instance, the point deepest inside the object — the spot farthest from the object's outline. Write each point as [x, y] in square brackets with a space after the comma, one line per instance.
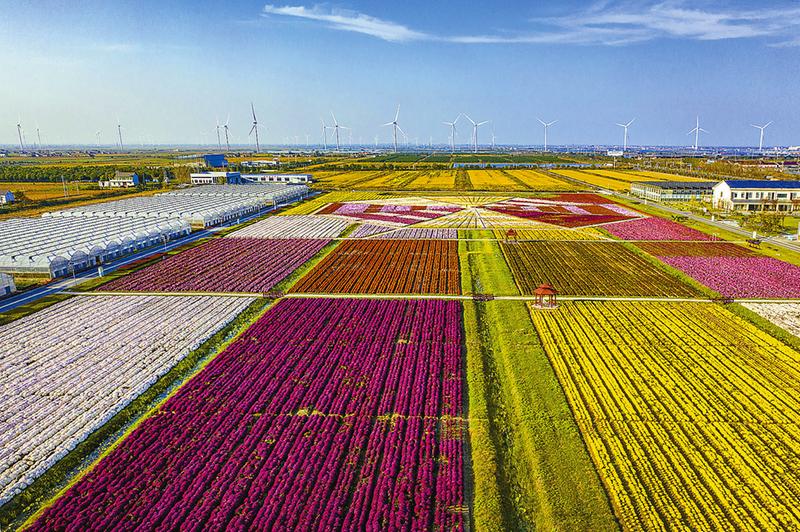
[532, 469]
[85, 455]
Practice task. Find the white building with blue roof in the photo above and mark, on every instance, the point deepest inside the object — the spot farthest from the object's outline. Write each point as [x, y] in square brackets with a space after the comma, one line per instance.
[756, 195]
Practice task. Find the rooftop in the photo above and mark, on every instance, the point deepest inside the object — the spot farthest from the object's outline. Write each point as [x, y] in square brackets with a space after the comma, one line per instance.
[762, 183]
[680, 185]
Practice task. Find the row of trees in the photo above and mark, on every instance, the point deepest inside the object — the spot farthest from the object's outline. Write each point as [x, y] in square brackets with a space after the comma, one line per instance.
[54, 174]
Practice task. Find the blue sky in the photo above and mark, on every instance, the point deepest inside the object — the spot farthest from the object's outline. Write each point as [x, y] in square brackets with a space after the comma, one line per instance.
[168, 72]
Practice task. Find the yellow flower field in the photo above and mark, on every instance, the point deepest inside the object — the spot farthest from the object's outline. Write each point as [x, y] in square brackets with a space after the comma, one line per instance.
[594, 179]
[691, 414]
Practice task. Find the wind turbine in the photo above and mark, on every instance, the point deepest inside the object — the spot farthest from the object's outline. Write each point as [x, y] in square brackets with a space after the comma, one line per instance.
[625, 135]
[225, 129]
[19, 133]
[761, 136]
[97, 135]
[452, 133]
[492, 137]
[38, 137]
[395, 127]
[336, 127]
[697, 130]
[475, 127]
[119, 133]
[324, 134]
[219, 142]
[255, 127]
[546, 125]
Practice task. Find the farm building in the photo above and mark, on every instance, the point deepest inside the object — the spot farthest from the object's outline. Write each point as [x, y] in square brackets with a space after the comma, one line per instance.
[277, 178]
[6, 197]
[7, 285]
[756, 195]
[673, 190]
[122, 180]
[192, 205]
[215, 160]
[55, 246]
[259, 163]
[214, 178]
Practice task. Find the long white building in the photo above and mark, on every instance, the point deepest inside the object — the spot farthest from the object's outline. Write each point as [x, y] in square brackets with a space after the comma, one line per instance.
[756, 195]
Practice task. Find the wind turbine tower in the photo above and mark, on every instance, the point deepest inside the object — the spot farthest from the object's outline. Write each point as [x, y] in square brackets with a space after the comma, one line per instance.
[761, 135]
[225, 128]
[336, 127]
[119, 134]
[395, 127]
[697, 130]
[546, 125]
[219, 142]
[625, 135]
[475, 127]
[452, 133]
[254, 129]
[19, 134]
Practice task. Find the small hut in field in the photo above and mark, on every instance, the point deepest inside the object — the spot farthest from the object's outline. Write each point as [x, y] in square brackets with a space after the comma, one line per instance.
[546, 296]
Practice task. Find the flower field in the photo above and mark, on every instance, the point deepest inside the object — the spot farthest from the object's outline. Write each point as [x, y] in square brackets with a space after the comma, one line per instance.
[654, 229]
[349, 418]
[293, 227]
[741, 276]
[381, 231]
[388, 213]
[386, 267]
[695, 249]
[68, 369]
[551, 234]
[253, 265]
[785, 315]
[590, 269]
[689, 412]
[566, 210]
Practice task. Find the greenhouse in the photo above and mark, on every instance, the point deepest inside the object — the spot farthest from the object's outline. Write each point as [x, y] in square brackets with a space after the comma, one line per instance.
[277, 192]
[57, 246]
[191, 205]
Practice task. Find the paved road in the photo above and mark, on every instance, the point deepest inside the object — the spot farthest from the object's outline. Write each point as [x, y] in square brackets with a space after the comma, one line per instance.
[60, 285]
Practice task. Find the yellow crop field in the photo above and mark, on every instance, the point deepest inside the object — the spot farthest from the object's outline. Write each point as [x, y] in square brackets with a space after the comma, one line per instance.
[690, 413]
[553, 234]
[622, 176]
[666, 177]
[540, 181]
[435, 180]
[594, 179]
[492, 180]
[45, 191]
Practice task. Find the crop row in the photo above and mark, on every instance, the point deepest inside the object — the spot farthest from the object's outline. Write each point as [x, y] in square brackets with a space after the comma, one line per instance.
[223, 265]
[69, 368]
[386, 267]
[590, 268]
[298, 226]
[689, 412]
[654, 229]
[324, 415]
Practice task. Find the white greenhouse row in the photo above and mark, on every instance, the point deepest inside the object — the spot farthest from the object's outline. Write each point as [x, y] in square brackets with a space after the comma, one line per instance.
[299, 226]
[56, 246]
[198, 209]
[68, 369]
[280, 193]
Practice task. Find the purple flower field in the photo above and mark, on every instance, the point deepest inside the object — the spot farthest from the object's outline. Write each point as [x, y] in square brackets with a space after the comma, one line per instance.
[742, 276]
[347, 418]
[654, 229]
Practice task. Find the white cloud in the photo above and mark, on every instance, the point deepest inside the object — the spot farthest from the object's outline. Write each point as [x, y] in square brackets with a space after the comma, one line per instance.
[350, 21]
[604, 23]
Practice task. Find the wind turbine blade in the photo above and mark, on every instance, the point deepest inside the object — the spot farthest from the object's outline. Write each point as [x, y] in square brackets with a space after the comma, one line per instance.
[631, 122]
[767, 124]
[553, 122]
[703, 130]
[541, 121]
[481, 123]
[755, 126]
[622, 125]
[335, 123]
[253, 109]
[468, 118]
[397, 114]
[251, 130]
[387, 124]
[401, 130]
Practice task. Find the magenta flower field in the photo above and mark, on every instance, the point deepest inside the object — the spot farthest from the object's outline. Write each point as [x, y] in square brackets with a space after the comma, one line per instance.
[223, 265]
[325, 414]
[742, 276]
[654, 229]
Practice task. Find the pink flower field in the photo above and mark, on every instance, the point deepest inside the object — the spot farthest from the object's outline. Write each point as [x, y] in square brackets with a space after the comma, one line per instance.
[654, 229]
[742, 277]
[324, 415]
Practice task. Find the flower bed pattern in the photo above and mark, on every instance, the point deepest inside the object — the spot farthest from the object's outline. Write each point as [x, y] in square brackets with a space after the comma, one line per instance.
[389, 213]
[386, 267]
[742, 276]
[654, 229]
[566, 210]
[69, 368]
[590, 269]
[349, 418]
[223, 265]
[689, 412]
[293, 227]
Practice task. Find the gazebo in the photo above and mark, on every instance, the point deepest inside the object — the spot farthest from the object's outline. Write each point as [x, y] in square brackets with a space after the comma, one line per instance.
[546, 296]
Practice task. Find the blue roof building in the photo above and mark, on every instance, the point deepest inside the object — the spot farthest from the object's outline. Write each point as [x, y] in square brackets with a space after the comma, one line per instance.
[215, 160]
[756, 195]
